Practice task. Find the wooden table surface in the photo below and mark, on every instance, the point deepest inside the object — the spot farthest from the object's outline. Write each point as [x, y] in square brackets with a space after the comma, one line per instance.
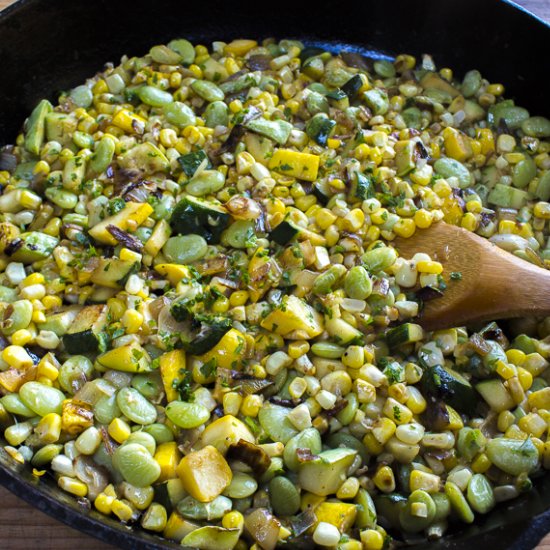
[23, 527]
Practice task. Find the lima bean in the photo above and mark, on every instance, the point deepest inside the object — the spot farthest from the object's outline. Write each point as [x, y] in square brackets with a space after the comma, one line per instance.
[471, 83]
[480, 494]
[242, 485]
[358, 284]
[284, 497]
[150, 95]
[216, 114]
[103, 155]
[207, 90]
[187, 415]
[308, 439]
[179, 114]
[448, 168]
[184, 48]
[135, 407]
[184, 249]
[206, 183]
[41, 399]
[144, 439]
[536, 126]
[379, 259]
[191, 508]
[136, 465]
[513, 456]
[326, 281]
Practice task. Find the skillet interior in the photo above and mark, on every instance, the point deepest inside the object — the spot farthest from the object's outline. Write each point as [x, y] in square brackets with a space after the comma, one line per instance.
[49, 46]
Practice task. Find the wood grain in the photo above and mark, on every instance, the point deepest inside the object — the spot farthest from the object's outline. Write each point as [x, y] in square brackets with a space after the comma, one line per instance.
[23, 527]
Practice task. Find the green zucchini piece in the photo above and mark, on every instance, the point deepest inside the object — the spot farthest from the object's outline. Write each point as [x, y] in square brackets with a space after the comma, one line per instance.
[200, 217]
[495, 395]
[169, 493]
[406, 333]
[146, 157]
[318, 128]
[35, 127]
[507, 196]
[326, 472]
[285, 232]
[31, 247]
[61, 321]
[322, 191]
[277, 130]
[85, 334]
[202, 332]
[191, 161]
[450, 386]
[113, 272]
[352, 86]
[362, 187]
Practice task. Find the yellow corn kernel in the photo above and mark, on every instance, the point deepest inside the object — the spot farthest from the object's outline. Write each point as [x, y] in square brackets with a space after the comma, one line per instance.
[404, 227]
[333, 143]
[380, 216]
[332, 235]
[21, 337]
[442, 189]
[298, 348]
[47, 370]
[476, 148]
[487, 140]
[72, 486]
[110, 491]
[104, 503]
[132, 321]
[221, 305]
[542, 210]
[423, 218]
[383, 430]
[416, 402]
[354, 220]
[17, 357]
[51, 302]
[251, 405]
[474, 206]
[233, 520]
[505, 370]
[235, 106]
[122, 509]
[325, 218]
[117, 307]
[372, 445]
[33, 279]
[348, 489]
[129, 255]
[505, 420]
[384, 479]
[481, 463]
[469, 222]
[525, 378]
[428, 266]
[495, 89]
[533, 424]
[424, 481]
[119, 430]
[362, 151]
[38, 317]
[238, 298]
[354, 357]
[371, 539]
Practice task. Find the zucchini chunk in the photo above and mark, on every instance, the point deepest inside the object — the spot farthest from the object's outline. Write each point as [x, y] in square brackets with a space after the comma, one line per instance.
[406, 333]
[450, 386]
[113, 272]
[201, 217]
[61, 321]
[202, 332]
[85, 335]
[495, 394]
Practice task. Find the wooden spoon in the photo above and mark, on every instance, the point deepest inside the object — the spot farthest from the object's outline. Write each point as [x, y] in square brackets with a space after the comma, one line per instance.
[494, 284]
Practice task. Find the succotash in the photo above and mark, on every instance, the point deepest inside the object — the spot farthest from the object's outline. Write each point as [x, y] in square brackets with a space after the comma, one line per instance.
[206, 331]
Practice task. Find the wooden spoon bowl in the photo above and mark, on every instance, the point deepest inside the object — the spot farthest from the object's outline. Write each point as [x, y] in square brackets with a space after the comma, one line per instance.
[494, 284]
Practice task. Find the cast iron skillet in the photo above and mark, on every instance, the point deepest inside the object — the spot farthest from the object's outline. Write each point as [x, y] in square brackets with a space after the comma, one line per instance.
[50, 45]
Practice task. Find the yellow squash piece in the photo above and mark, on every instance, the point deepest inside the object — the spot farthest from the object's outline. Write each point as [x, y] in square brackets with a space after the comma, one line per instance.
[128, 358]
[294, 319]
[75, 417]
[457, 144]
[129, 122]
[173, 272]
[168, 457]
[303, 166]
[128, 219]
[177, 527]
[228, 352]
[212, 537]
[172, 364]
[240, 47]
[204, 474]
[433, 80]
[224, 432]
[158, 238]
[340, 514]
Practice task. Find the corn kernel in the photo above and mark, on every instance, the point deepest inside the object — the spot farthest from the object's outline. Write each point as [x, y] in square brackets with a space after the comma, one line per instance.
[481, 464]
[104, 503]
[424, 266]
[469, 222]
[525, 378]
[17, 357]
[232, 402]
[404, 227]
[233, 520]
[372, 539]
[72, 486]
[298, 348]
[122, 510]
[119, 430]
[348, 489]
[384, 479]
[251, 405]
[132, 321]
[21, 337]
[495, 89]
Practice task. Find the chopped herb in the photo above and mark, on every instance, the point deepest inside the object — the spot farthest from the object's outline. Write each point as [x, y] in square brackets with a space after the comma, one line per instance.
[397, 413]
[456, 275]
[116, 205]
